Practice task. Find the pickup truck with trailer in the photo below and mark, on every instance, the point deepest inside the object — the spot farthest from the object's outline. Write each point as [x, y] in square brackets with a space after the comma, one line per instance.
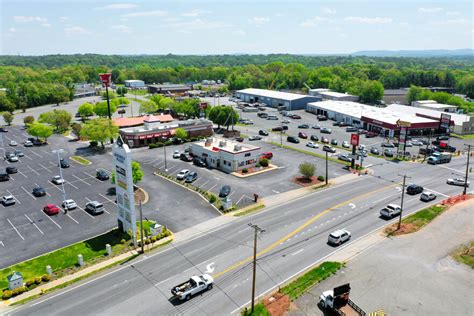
[437, 158]
[195, 285]
[337, 300]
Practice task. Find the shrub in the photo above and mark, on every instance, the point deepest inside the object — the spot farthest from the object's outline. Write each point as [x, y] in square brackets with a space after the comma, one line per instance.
[37, 280]
[45, 278]
[147, 241]
[123, 241]
[153, 145]
[168, 142]
[7, 294]
[154, 238]
[307, 169]
[212, 198]
[258, 165]
[245, 170]
[320, 178]
[22, 289]
[29, 282]
[93, 143]
[264, 162]
[166, 233]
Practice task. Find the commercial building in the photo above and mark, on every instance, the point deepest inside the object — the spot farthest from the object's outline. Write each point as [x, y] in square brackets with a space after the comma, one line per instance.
[135, 84]
[327, 94]
[433, 105]
[398, 96]
[82, 90]
[169, 88]
[157, 128]
[382, 121]
[276, 99]
[226, 155]
[460, 123]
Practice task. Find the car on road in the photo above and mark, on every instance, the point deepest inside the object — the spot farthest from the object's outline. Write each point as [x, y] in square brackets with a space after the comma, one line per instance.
[3, 130]
[186, 157]
[294, 116]
[11, 170]
[326, 130]
[256, 137]
[316, 126]
[292, 139]
[388, 145]
[182, 174]
[324, 140]
[344, 157]
[28, 143]
[312, 145]
[39, 191]
[390, 211]
[442, 137]
[388, 153]
[94, 207]
[302, 135]
[8, 200]
[280, 128]
[13, 143]
[262, 115]
[408, 144]
[416, 142]
[458, 181]
[225, 191]
[199, 162]
[413, 189]
[191, 177]
[338, 237]
[345, 144]
[427, 196]
[267, 155]
[314, 138]
[57, 180]
[374, 151]
[329, 149]
[64, 163]
[272, 117]
[176, 154]
[102, 175]
[263, 132]
[69, 204]
[4, 176]
[334, 142]
[195, 285]
[51, 209]
[304, 126]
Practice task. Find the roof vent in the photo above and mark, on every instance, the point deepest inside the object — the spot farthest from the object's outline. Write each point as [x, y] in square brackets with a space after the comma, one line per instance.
[237, 147]
[222, 143]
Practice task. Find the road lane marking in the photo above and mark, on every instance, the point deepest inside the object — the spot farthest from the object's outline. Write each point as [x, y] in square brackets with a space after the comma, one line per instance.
[458, 171]
[34, 153]
[275, 191]
[22, 174]
[1, 243]
[299, 251]
[42, 166]
[15, 229]
[54, 222]
[70, 183]
[111, 201]
[31, 222]
[28, 157]
[428, 189]
[81, 179]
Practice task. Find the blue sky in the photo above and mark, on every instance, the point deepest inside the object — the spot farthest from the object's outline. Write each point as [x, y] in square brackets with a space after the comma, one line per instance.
[224, 27]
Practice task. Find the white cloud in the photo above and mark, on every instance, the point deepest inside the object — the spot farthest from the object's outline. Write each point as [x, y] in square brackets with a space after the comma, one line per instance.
[456, 22]
[45, 24]
[367, 20]
[240, 32]
[124, 19]
[171, 19]
[197, 24]
[26, 19]
[313, 22]
[75, 30]
[453, 13]
[403, 24]
[430, 10]
[121, 28]
[63, 19]
[259, 20]
[156, 13]
[118, 6]
[12, 30]
[328, 11]
[195, 13]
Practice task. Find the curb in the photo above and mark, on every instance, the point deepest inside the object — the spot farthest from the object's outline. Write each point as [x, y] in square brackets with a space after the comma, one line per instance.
[270, 168]
[147, 197]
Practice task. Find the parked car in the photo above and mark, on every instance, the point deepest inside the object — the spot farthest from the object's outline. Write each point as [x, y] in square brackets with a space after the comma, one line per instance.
[19, 153]
[256, 137]
[370, 135]
[388, 153]
[286, 121]
[408, 144]
[176, 154]
[28, 143]
[38, 142]
[225, 191]
[186, 157]
[374, 151]
[344, 157]
[314, 138]
[326, 130]
[182, 174]
[8, 200]
[334, 142]
[338, 237]
[413, 189]
[316, 126]
[345, 144]
[390, 211]
[51, 209]
[95, 208]
[458, 181]
[11, 170]
[416, 142]
[322, 118]
[3, 130]
[102, 175]
[329, 149]
[12, 158]
[304, 126]
[191, 177]
[292, 139]
[13, 143]
[312, 145]
[199, 162]
[262, 115]
[4, 176]
[302, 135]
[57, 180]
[351, 129]
[272, 117]
[427, 196]
[267, 155]
[442, 137]
[263, 132]
[361, 131]
[388, 145]
[239, 139]
[64, 163]
[69, 204]
[324, 140]
[295, 116]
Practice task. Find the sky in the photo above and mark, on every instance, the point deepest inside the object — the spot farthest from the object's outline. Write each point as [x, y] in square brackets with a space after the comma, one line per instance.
[30, 27]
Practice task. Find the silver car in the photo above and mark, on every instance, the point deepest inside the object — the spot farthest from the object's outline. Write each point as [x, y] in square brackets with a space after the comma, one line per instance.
[339, 236]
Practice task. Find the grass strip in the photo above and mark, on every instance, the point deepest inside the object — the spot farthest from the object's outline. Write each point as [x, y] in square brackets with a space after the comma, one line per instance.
[81, 160]
[259, 310]
[298, 287]
[465, 254]
[250, 210]
[467, 136]
[418, 220]
[311, 153]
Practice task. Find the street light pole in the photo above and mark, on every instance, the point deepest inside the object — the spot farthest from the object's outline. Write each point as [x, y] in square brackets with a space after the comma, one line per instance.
[164, 147]
[326, 178]
[256, 230]
[464, 191]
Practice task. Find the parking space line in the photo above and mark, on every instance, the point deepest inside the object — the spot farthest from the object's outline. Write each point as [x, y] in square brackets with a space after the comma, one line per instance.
[80, 179]
[46, 152]
[111, 201]
[15, 229]
[72, 185]
[53, 164]
[33, 170]
[231, 194]
[72, 218]
[42, 166]
[22, 174]
[28, 157]
[213, 186]
[54, 222]
[14, 197]
[28, 193]
[1, 243]
[91, 176]
[57, 187]
[172, 169]
[31, 222]
[204, 184]
[35, 153]
[85, 212]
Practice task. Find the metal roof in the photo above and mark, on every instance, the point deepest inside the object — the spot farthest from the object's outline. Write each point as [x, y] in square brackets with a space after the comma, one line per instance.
[274, 94]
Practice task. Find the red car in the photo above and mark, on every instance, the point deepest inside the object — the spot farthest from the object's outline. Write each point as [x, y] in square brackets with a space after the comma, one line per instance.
[267, 155]
[370, 135]
[302, 135]
[295, 116]
[51, 209]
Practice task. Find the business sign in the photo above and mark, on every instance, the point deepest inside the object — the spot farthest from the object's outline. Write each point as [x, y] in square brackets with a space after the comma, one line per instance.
[122, 160]
[401, 123]
[402, 140]
[355, 139]
[445, 121]
[106, 79]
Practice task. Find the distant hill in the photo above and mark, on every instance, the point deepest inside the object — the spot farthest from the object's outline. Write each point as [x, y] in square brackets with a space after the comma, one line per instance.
[416, 53]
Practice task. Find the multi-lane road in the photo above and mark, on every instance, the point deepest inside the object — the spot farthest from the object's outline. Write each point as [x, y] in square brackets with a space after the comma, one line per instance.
[295, 238]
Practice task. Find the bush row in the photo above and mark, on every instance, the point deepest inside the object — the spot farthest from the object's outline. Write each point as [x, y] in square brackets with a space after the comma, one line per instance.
[29, 285]
[170, 142]
[152, 239]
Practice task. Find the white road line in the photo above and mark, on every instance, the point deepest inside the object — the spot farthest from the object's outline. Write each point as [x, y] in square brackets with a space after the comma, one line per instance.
[33, 170]
[54, 222]
[31, 222]
[204, 183]
[91, 176]
[22, 174]
[213, 186]
[72, 185]
[46, 152]
[85, 212]
[42, 166]
[28, 193]
[299, 251]
[15, 229]
[458, 171]
[57, 187]
[14, 197]
[80, 179]
[111, 201]
[275, 191]
[28, 157]
[34, 153]
[72, 218]
[1, 243]
[428, 189]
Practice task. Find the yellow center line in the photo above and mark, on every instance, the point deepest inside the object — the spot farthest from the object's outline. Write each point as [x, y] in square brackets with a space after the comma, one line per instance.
[297, 230]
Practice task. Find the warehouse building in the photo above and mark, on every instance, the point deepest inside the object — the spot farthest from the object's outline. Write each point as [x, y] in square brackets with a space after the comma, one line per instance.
[169, 88]
[135, 84]
[226, 155]
[433, 105]
[276, 99]
[383, 121]
[327, 94]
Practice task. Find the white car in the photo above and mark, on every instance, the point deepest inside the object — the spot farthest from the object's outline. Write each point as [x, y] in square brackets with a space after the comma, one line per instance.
[345, 144]
[57, 180]
[427, 196]
[13, 143]
[13, 158]
[69, 204]
[28, 143]
[458, 181]
[339, 236]
[182, 174]
[8, 200]
[416, 142]
[176, 154]
[286, 121]
[390, 211]
[312, 145]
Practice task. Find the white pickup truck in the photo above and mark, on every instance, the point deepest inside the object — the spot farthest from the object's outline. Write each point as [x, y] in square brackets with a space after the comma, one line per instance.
[196, 284]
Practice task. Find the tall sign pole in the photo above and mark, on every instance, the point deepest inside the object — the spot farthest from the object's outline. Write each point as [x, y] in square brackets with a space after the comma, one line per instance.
[354, 143]
[126, 217]
[106, 79]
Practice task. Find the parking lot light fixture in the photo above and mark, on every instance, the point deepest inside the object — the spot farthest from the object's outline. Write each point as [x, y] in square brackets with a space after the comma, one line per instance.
[58, 152]
[164, 147]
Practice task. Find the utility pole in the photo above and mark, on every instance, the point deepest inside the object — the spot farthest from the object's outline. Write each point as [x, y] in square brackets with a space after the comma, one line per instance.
[464, 191]
[256, 229]
[428, 144]
[141, 227]
[164, 147]
[326, 178]
[401, 204]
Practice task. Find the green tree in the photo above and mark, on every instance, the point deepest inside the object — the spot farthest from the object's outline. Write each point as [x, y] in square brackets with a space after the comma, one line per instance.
[148, 107]
[371, 91]
[414, 94]
[76, 129]
[99, 130]
[181, 133]
[121, 91]
[119, 101]
[307, 169]
[112, 95]
[466, 86]
[7, 117]
[6, 104]
[101, 108]
[137, 173]
[86, 110]
[60, 119]
[39, 130]
[27, 120]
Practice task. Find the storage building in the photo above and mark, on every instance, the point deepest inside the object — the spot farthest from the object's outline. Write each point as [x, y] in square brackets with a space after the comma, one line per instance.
[135, 84]
[276, 99]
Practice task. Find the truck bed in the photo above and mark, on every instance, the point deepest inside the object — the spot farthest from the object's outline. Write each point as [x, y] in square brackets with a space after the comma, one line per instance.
[351, 309]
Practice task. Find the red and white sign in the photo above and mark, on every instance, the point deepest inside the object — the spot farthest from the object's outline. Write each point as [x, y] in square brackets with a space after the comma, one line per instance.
[355, 139]
[106, 79]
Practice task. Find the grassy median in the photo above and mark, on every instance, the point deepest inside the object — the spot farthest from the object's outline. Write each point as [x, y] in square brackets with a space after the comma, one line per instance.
[416, 221]
[81, 160]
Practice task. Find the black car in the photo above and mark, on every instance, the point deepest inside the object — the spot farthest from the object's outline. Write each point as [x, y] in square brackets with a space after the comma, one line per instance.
[64, 163]
[329, 149]
[185, 157]
[102, 175]
[280, 128]
[239, 139]
[303, 126]
[322, 118]
[199, 162]
[225, 191]
[39, 191]
[3, 130]
[292, 139]
[262, 132]
[38, 142]
[388, 153]
[192, 176]
[11, 170]
[334, 142]
[314, 138]
[413, 189]
[442, 137]
[4, 176]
